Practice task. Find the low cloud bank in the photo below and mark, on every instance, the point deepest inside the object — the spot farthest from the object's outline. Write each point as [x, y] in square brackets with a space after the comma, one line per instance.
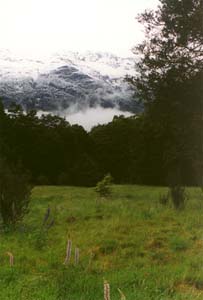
[89, 117]
[94, 116]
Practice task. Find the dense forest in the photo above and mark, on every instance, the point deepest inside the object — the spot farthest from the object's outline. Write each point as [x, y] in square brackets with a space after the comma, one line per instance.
[132, 150]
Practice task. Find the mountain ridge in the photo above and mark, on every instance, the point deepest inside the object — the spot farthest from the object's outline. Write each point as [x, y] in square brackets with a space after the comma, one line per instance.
[67, 79]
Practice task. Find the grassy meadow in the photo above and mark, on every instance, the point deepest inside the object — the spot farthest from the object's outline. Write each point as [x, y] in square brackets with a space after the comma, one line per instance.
[147, 250]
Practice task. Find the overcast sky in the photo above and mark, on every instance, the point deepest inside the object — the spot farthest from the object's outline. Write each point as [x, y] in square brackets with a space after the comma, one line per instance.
[44, 26]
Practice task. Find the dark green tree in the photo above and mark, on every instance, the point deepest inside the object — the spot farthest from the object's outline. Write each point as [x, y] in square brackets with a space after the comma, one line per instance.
[169, 81]
[14, 193]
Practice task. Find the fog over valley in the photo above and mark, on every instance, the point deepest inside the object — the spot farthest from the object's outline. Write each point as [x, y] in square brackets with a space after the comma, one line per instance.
[90, 117]
[87, 88]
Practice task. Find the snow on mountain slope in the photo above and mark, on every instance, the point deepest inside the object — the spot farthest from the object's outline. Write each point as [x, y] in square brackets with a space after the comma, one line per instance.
[69, 81]
[105, 64]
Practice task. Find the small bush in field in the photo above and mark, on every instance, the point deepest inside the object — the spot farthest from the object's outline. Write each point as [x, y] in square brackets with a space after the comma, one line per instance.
[103, 187]
[14, 193]
[178, 196]
[164, 199]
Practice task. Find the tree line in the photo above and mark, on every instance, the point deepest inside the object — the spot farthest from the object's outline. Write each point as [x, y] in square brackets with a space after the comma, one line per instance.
[133, 150]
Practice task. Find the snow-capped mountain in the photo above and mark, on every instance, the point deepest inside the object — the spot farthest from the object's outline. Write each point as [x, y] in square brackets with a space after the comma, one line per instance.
[67, 80]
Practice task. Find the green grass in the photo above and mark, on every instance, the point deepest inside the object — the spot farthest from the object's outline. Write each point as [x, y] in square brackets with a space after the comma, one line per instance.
[149, 251]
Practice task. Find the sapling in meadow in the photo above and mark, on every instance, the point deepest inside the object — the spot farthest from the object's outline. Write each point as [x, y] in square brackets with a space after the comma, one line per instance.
[103, 187]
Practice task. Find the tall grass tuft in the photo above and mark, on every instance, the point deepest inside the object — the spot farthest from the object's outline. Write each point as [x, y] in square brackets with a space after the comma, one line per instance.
[46, 216]
[106, 290]
[77, 256]
[68, 252]
[123, 297]
[48, 222]
[11, 258]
